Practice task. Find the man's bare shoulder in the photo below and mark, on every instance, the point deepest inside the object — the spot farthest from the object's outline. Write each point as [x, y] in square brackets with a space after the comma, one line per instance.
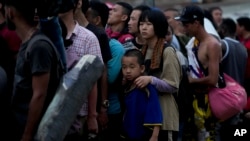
[213, 43]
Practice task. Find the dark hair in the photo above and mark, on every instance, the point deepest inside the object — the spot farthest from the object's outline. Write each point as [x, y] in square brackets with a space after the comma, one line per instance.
[228, 26]
[100, 9]
[127, 9]
[135, 53]
[85, 6]
[209, 16]
[157, 18]
[142, 7]
[245, 22]
[68, 5]
[174, 10]
[211, 9]
[26, 9]
[67, 42]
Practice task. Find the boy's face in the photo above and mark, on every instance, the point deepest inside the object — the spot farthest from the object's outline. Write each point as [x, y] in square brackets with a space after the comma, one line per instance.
[131, 69]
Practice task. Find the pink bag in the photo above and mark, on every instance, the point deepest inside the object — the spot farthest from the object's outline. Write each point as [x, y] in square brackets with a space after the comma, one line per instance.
[228, 101]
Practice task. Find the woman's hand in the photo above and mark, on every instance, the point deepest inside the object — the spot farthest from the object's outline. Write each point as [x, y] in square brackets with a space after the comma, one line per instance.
[142, 81]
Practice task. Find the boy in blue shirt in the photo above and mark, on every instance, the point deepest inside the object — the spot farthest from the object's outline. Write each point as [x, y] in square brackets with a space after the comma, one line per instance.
[143, 117]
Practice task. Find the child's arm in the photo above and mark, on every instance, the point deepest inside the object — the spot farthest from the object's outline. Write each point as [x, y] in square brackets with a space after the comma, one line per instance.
[155, 133]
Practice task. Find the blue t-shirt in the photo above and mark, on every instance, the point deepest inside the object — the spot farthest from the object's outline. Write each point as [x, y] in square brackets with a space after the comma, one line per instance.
[142, 111]
[114, 67]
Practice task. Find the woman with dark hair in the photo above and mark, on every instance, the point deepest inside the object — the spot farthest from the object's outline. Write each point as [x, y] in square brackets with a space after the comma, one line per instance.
[216, 13]
[210, 17]
[162, 68]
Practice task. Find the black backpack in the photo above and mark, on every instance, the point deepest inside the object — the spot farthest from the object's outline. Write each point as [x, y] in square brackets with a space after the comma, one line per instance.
[183, 97]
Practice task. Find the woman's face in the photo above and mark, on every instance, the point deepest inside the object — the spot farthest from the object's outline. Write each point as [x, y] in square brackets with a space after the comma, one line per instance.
[146, 29]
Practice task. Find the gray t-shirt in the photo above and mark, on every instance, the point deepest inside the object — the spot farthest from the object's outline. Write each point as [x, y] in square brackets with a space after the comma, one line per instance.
[40, 59]
[234, 64]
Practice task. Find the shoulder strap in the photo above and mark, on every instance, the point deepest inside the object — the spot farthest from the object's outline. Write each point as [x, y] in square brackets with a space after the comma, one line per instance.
[227, 49]
[35, 38]
[39, 37]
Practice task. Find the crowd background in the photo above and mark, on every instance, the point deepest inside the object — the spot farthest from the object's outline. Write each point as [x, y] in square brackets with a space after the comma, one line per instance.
[162, 34]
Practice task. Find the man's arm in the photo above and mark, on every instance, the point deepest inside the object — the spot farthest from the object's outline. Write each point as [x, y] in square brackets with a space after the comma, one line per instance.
[213, 57]
[92, 114]
[40, 86]
[102, 116]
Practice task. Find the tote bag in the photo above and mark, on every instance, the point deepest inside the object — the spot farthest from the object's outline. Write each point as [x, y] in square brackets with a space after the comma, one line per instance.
[228, 101]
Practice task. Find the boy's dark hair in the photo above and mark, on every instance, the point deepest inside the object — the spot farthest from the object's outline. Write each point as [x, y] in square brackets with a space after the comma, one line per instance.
[26, 9]
[100, 9]
[142, 7]
[157, 18]
[228, 26]
[135, 53]
[245, 22]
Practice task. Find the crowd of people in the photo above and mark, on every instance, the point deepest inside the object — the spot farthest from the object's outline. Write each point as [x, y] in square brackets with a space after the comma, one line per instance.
[159, 65]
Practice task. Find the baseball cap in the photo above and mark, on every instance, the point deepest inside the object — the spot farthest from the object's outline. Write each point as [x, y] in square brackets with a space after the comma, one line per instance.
[191, 13]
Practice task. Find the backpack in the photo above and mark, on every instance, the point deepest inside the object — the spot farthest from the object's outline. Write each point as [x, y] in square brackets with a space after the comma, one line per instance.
[38, 37]
[183, 97]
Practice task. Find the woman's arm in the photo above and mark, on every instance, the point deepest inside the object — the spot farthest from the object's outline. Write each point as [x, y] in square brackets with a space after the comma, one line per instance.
[162, 86]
